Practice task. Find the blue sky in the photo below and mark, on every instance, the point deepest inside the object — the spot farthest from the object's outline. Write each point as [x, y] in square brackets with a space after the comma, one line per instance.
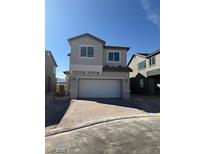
[132, 23]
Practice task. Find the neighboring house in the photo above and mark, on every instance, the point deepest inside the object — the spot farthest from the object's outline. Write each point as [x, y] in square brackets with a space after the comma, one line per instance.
[145, 78]
[50, 72]
[97, 70]
[67, 73]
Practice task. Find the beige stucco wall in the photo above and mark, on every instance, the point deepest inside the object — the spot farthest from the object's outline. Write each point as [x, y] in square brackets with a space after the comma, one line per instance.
[75, 51]
[137, 59]
[124, 76]
[123, 58]
[134, 66]
[157, 64]
[49, 65]
[100, 53]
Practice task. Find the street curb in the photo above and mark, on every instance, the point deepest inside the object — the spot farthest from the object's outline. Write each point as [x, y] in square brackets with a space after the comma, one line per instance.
[101, 121]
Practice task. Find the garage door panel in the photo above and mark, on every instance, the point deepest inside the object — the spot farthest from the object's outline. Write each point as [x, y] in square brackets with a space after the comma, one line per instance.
[98, 88]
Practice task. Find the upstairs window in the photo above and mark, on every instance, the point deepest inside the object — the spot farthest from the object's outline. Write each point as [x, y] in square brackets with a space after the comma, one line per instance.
[87, 51]
[142, 65]
[114, 56]
[90, 52]
[152, 61]
[83, 52]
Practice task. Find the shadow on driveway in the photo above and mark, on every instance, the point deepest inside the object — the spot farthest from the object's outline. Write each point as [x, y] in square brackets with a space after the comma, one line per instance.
[147, 103]
[55, 110]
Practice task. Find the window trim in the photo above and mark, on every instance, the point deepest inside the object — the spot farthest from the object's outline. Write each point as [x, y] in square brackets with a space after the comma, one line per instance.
[110, 61]
[150, 59]
[86, 57]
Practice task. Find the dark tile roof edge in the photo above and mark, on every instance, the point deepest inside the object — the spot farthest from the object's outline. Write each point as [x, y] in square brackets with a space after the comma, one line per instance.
[117, 69]
[66, 72]
[130, 60]
[116, 47]
[144, 55]
[86, 34]
[141, 55]
[48, 51]
[153, 53]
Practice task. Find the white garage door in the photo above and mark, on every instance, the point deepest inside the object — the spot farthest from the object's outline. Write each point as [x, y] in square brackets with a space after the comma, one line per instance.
[98, 88]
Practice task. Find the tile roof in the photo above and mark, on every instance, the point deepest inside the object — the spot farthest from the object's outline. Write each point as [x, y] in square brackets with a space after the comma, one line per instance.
[66, 72]
[116, 47]
[117, 69]
[144, 55]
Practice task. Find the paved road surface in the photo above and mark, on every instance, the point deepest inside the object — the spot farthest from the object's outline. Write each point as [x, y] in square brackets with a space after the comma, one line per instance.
[127, 136]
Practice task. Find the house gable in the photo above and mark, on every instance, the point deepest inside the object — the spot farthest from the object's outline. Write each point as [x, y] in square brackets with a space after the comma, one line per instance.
[86, 35]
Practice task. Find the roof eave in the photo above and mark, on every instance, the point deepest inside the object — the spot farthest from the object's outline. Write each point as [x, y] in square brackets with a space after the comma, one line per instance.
[116, 47]
[52, 57]
[66, 72]
[154, 53]
[143, 56]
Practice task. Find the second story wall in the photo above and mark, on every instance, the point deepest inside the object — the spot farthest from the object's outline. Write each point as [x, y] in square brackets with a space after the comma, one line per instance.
[76, 45]
[122, 57]
[134, 66]
[156, 65]
[90, 54]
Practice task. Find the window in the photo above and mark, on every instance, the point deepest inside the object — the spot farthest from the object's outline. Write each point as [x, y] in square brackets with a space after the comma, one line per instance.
[152, 61]
[142, 65]
[114, 56]
[86, 51]
[110, 56]
[90, 52]
[83, 52]
[141, 83]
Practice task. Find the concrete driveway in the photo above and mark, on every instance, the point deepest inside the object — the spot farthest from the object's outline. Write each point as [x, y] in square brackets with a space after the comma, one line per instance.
[87, 112]
[127, 136]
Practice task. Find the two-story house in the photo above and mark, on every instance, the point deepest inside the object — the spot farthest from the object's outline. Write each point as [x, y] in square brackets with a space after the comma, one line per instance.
[97, 70]
[145, 78]
[50, 72]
